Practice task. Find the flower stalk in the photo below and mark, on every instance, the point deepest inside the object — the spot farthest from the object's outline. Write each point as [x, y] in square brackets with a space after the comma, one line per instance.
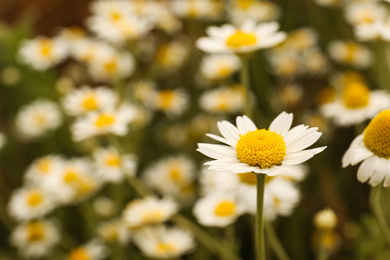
[375, 199]
[260, 217]
[274, 242]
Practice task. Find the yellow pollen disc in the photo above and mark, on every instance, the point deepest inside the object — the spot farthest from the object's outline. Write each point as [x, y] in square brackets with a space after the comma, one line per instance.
[248, 178]
[35, 231]
[70, 176]
[245, 4]
[351, 50]
[224, 71]
[113, 160]
[40, 119]
[78, 254]
[46, 47]
[175, 174]
[166, 97]
[85, 185]
[162, 55]
[225, 208]
[115, 16]
[34, 198]
[376, 135]
[241, 39]
[154, 216]
[89, 103]
[261, 148]
[367, 17]
[166, 247]
[111, 66]
[44, 165]
[104, 120]
[356, 95]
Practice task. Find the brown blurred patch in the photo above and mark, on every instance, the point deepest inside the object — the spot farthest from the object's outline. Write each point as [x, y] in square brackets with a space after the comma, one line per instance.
[48, 14]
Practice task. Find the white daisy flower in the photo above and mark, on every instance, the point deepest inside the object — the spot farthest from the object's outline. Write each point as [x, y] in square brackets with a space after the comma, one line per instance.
[170, 56]
[41, 172]
[86, 99]
[114, 230]
[93, 250]
[356, 104]
[379, 30]
[149, 210]
[37, 118]
[223, 100]
[372, 148]
[350, 53]
[172, 102]
[110, 166]
[248, 38]
[104, 207]
[249, 149]
[328, 3]
[89, 50]
[109, 121]
[325, 219]
[217, 209]
[219, 66]
[364, 12]
[29, 203]
[163, 242]
[217, 180]
[35, 238]
[42, 53]
[196, 9]
[260, 11]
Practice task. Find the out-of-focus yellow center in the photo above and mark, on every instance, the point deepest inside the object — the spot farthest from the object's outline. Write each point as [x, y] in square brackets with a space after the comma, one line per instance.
[245, 4]
[44, 165]
[165, 247]
[224, 71]
[367, 16]
[46, 47]
[35, 231]
[248, 178]
[70, 176]
[111, 66]
[175, 174]
[356, 95]
[104, 120]
[351, 50]
[225, 208]
[89, 103]
[241, 39]
[78, 254]
[376, 135]
[113, 160]
[34, 198]
[162, 55]
[115, 16]
[166, 97]
[40, 119]
[154, 216]
[261, 148]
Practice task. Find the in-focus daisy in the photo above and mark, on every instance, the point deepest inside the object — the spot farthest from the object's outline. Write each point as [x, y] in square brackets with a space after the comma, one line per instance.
[108, 121]
[37, 118]
[42, 53]
[149, 210]
[356, 104]
[219, 66]
[110, 166]
[217, 209]
[249, 149]
[93, 250]
[372, 148]
[350, 53]
[223, 100]
[35, 238]
[86, 99]
[248, 37]
[260, 11]
[30, 202]
[163, 242]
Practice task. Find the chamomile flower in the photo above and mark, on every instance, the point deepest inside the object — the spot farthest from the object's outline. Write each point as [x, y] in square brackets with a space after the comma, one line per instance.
[355, 104]
[35, 238]
[325, 219]
[378, 30]
[328, 3]
[170, 56]
[108, 121]
[219, 66]
[37, 118]
[260, 11]
[217, 209]
[42, 53]
[350, 53]
[111, 166]
[114, 230]
[372, 149]
[28, 203]
[249, 149]
[86, 99]
[42, 171]
[223, 100]
[364, 13]
[163, 242]
[248, 37]
[149, 210]
[93, 250]
[196, 9]
[170, 101]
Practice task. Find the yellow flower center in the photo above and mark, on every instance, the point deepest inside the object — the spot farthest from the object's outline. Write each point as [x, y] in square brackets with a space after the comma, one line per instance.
[34, 198]
[245, 4]
[89, 103]
[165, 248]
[35, 231]
[376, 135]
[224, 71]
[166, 97]
[225, 208]
[40, 119]
[261, 148]
[111, 66]
[351, 50]
[248, 178]
[104, 120]
[154, 216]
[113, 160]
[46, 46]
[241, 39]
[44, 165]
[78, 254]
[356, 95]
[115, 16]
[70, 176]
[175, 174]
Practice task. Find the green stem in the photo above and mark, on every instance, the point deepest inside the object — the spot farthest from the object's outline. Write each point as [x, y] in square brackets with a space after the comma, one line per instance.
[245, 80]
[321, 254]
[376, 207]
[274, 242]
[259, 216]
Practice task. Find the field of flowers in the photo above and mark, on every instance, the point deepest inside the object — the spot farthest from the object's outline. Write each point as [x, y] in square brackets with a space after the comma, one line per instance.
[197, 129]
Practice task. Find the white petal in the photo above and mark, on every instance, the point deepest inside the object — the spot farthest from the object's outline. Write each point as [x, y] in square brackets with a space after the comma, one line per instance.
[250, 126]
[221, 139]
[244, 125]
[217, 151]
[211, 46]
[302, 156]
[282, 123]
[294, 133]
[305, 140]
[273, 171]
[366, 169]
[379, 172]
[359, 155]
[229, 131]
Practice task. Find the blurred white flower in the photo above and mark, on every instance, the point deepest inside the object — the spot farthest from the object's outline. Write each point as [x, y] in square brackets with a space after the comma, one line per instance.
[223, 100]
[260, 11]
[364, 12]
[196, 9]
[325, 219]
[219, 66]
[350, 53]
[114, 230]
[93, 250]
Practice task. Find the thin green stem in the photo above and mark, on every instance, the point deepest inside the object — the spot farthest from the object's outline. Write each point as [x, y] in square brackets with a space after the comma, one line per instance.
[259, 217]
[376, 207]
[321, 254]
[245, 80]
[275, 242]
